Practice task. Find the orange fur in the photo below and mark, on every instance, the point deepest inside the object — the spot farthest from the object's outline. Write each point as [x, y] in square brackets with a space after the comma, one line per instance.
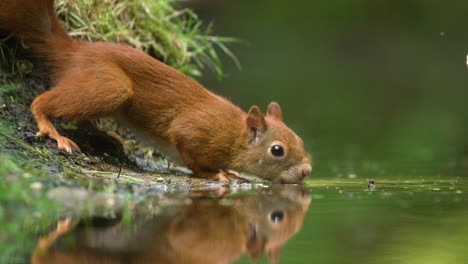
[203, 231]
[93, 80]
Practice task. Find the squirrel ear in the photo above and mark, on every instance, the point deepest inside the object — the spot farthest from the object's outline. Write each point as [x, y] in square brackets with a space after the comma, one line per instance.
[255, 243]
[256, 124]
[274, 254]
[274, 110]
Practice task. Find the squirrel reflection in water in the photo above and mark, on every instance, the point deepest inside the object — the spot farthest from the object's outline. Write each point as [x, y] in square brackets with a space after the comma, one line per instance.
[204, 231]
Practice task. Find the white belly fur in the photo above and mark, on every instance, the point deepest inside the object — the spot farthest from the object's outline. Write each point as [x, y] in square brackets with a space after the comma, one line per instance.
[148, 140]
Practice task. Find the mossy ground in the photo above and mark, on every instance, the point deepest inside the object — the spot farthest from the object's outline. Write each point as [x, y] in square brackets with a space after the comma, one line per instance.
[35, 175]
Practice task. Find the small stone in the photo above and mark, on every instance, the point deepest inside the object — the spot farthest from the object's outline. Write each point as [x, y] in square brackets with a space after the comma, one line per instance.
[110, 201]
[159, 179]
[36, 186]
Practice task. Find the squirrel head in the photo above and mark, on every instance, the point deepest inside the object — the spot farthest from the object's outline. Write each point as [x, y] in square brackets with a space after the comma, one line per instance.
[272, 150]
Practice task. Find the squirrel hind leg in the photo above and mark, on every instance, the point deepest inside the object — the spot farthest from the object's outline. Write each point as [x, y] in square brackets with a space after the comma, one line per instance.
[80, 100]
[47, 129]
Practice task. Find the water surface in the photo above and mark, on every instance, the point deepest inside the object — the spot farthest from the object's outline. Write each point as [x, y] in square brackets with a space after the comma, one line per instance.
[324, 221]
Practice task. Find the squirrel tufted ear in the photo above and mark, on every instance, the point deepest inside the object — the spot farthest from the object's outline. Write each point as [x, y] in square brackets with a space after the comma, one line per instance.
[255, 119]
[256, 124]
[274, 254]
[255, 243]
[274, 110]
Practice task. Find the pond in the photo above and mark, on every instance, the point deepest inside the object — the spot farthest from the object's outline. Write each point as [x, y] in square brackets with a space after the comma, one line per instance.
[376, 89]
[323, 221]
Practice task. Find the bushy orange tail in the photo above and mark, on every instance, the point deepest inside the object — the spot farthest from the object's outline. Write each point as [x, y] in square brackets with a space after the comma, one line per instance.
[35, 21]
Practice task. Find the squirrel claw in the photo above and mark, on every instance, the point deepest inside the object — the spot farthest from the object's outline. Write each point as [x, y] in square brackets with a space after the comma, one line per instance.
[63, 143]
[232, 175]
[221, 177]
[67, 145]
[63, 226]
[227, 176]
[41, 134]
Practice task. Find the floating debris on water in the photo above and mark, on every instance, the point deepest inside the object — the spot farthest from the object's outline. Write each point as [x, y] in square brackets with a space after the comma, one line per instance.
[387, 194]
[371, 185]
[263, 185]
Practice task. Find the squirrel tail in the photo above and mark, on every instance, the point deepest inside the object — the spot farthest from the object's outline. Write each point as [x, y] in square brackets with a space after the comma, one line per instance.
[36, 23]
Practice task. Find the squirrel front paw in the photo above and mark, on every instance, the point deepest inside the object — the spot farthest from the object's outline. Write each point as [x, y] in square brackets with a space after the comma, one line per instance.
[67, 145]
[221, 177]
[63, 143]
[227, 176]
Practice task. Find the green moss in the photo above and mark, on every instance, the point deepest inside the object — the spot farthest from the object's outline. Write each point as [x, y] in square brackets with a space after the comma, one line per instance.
[177, 37]
[24, 209]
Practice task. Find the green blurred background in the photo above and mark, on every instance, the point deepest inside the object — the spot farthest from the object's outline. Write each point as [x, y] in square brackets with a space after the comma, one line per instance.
[375, 88]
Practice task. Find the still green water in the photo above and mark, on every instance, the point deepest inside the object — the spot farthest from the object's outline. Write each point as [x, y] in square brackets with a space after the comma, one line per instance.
[403, 221]
[377, 90]
[412, 220]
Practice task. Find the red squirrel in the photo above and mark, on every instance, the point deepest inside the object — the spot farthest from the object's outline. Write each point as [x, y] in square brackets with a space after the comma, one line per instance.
[194, 126]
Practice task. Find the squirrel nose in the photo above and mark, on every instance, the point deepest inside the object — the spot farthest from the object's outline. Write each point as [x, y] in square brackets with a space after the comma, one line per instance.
[306, 171]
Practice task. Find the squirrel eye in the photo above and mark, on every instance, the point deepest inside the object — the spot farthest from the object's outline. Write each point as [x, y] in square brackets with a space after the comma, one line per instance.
[277, 216]
[277, 150]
